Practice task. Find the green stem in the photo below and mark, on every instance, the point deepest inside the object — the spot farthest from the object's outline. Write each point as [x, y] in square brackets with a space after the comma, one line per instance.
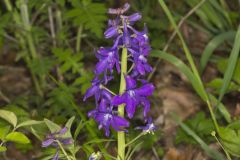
[121, 134]
[133, 140]
[63, 150]
[8, 5]
[79, 37]
[212, 114]
[32, 49]
[225, 151]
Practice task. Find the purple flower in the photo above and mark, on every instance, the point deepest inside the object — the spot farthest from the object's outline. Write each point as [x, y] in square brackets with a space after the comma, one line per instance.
[141, 66]
[103, 114]
[132, 18]
[133, 96]
[114, 28]
[108, 58]
[51, 140]
[149, 128]
[97, 90]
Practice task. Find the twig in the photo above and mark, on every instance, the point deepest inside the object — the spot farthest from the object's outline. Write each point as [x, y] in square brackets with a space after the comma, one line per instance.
[11, 38]
[52, 28]
[174, 34]
[155, 153]
[5, 98]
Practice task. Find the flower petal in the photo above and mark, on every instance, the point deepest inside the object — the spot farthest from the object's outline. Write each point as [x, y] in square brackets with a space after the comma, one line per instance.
[140, 68]
[130, 82]
[126, 37]
[90, 92]
[134, 17]
[117, 100]
[101, 66]
[110, 32]
[106, 94]
[131, 107]
[145, 90]
[47, 142]
[67, 141]
[56, 155]
[118, 123]
[63, 130]
[103, 105]
[146, 106]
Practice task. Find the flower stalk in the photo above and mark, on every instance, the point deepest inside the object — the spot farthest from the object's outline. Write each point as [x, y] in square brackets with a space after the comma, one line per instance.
[121, 134]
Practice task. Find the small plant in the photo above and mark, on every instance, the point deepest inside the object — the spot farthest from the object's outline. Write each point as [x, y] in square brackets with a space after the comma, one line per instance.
[134, 48]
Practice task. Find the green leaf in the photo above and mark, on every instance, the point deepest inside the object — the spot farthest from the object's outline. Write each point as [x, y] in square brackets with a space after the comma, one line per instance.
[221, 108]
[230, 139]
[17, 137]
[210, 152]
[232, 63]
[29, 123]
[69, 125]
[53, 127]
[212, 45]
[217, 83]
[9, 117]
[222, 65]
[78, 129]
[2, 149]
[4, 131]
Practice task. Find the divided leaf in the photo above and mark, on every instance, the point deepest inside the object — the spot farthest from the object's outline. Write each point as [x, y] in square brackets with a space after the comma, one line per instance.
[91, 15]
[68, 60]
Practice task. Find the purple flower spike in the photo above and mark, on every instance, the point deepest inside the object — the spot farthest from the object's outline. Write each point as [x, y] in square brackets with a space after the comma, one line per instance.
[137, 89]
[104, 116]
[134, 96]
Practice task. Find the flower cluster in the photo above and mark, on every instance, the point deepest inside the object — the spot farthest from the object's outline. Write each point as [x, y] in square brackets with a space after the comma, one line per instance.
[137, 90]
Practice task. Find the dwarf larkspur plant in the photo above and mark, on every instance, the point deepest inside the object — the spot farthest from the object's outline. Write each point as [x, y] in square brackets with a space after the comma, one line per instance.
[134, 90]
